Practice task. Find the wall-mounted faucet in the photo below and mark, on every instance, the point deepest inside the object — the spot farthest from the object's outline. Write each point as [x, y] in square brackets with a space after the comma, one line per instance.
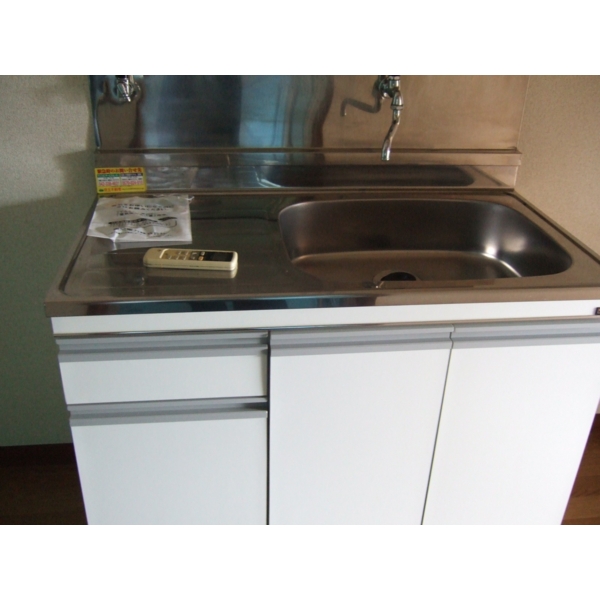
[386, 86]
[126, 89]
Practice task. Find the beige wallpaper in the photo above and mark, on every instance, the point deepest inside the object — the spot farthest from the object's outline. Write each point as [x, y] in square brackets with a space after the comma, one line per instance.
[560, 141]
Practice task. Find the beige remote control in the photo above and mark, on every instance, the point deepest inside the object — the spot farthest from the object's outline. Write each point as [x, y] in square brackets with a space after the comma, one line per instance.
[184, 258]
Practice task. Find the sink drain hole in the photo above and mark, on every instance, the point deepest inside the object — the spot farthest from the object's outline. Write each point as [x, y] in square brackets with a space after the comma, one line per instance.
[393, 279]
[398, 276]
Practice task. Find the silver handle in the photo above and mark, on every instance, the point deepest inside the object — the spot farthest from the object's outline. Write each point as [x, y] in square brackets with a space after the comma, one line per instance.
[161, 346]
[527, 333]
[369, 339]
[167, 411]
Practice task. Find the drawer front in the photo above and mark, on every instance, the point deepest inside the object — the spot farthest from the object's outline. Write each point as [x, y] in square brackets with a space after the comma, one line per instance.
[147, 368]
[196, 470]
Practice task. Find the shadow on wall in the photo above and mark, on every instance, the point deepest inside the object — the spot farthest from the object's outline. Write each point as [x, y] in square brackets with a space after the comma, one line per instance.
[36, 236]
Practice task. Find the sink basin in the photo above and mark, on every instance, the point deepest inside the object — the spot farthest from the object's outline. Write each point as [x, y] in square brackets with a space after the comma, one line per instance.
[364, 175]
[394, 242]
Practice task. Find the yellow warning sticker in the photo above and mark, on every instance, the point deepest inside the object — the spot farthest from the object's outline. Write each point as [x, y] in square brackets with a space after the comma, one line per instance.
[121, 180]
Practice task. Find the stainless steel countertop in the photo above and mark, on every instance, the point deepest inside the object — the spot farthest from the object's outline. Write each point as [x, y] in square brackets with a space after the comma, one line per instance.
[103, 278]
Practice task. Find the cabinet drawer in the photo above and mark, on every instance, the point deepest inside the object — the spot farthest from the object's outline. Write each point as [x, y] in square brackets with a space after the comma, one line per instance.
[163, 367]
[172, 462]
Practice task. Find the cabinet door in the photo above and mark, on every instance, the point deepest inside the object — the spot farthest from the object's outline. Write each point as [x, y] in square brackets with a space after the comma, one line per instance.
[353, 419]
[172, 463]
[519, 403]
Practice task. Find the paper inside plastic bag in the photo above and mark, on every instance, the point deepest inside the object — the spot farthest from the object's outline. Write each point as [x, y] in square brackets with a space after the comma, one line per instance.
[140, 219]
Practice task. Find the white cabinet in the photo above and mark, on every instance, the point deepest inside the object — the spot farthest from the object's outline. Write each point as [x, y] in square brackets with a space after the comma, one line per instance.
[519, 403]
[458, 423]
[353, 420]
[169, 429]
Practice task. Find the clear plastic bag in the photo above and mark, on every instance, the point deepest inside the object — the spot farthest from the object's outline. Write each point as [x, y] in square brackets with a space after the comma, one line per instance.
[142, 219]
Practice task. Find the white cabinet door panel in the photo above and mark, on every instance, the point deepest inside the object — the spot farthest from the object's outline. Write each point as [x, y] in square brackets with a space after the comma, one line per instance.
[182, 472]
[513, 427]
[352, 431]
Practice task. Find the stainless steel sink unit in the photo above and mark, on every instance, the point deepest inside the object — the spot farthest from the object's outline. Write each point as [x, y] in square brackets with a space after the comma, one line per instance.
[390, 241]
[332, 249]
[300, 192]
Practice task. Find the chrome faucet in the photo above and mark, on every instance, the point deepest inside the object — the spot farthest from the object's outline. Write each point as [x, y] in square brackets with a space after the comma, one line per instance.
[389, 87]
[386, 86]
[126, 89]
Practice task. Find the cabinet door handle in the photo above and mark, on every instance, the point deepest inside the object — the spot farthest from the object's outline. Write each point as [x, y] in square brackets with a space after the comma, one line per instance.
[160, 346]
[164, 412]
[359, 339]
[478, 335]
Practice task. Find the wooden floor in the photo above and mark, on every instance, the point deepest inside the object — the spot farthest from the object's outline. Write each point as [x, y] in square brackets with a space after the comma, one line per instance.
[584, 505]
[39, 485]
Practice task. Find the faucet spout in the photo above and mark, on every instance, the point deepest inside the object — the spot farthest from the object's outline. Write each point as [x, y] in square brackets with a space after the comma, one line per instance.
[397, 106]
[389, 87]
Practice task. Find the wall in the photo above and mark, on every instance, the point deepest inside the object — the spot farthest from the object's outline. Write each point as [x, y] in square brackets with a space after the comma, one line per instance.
[47, 187]
[560, 141]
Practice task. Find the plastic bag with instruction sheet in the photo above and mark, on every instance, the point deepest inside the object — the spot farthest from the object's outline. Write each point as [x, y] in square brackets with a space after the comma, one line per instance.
[142, 219]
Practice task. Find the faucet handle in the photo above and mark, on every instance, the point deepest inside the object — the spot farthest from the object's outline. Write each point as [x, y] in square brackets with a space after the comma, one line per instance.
[388, 85]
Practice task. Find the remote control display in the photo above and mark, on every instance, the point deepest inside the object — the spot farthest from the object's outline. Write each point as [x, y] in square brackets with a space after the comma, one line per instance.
[219, 256]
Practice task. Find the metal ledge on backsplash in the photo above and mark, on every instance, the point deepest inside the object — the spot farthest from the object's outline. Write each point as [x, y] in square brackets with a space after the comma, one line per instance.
[215, 170]
[224, 157]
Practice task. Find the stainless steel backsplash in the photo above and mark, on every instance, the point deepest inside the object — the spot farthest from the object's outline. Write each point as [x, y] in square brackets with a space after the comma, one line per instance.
[305, 113]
